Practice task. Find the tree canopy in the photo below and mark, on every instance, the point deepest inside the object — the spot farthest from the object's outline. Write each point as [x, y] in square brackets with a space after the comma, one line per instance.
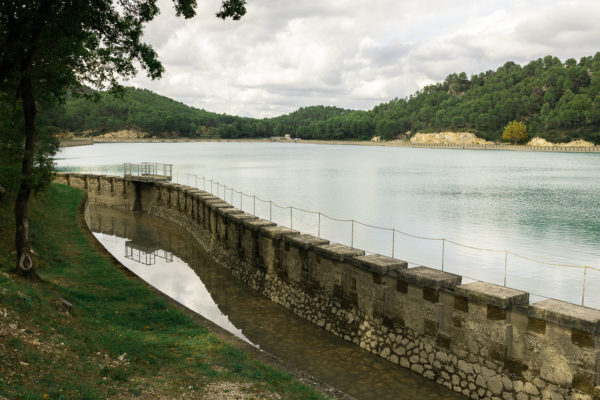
[133, 109]
[515, 132]
[48, 46]
[555, 100]
[559, 101]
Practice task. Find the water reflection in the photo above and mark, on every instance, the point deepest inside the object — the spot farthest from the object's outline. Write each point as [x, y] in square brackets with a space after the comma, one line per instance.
[190, 277]
[151, 254]
[144, 254]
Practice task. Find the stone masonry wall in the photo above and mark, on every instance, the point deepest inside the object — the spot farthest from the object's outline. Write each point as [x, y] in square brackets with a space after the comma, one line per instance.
[478, 339]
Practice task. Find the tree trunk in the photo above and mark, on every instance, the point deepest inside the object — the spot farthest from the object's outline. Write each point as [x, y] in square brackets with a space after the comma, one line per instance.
[24, 261]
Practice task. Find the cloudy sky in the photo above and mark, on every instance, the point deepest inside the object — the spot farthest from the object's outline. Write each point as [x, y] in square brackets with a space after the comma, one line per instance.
[286, 54]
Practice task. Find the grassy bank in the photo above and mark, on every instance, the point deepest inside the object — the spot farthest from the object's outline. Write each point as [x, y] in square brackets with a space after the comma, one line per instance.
[120, 339]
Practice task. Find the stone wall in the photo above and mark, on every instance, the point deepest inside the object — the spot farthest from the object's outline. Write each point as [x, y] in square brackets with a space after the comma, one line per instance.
[111, 191]
[478, 339]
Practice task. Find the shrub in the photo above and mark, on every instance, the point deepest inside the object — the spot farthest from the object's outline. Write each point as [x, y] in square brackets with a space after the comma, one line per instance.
[515, 132]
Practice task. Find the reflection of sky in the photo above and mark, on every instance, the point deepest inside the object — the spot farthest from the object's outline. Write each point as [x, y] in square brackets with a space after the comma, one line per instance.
[176, 279]
[544, 206]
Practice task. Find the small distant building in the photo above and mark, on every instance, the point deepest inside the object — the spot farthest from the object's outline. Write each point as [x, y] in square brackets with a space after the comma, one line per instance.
[279, 138]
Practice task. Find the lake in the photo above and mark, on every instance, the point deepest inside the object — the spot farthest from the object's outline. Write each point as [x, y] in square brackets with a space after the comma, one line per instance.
[544, 208]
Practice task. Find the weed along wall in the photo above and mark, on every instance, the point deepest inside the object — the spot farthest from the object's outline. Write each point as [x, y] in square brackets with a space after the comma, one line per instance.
[482, 340]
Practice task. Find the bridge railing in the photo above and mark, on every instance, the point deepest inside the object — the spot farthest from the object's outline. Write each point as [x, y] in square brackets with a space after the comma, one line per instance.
[148, 171]
[498, 266]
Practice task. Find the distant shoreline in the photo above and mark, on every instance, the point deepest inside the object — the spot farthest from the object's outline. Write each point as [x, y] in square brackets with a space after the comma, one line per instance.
[505, 147]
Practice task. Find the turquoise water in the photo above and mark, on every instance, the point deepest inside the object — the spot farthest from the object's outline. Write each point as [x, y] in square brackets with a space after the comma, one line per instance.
[544, 206]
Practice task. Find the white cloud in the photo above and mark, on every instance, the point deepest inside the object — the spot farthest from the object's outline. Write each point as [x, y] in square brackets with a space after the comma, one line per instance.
[355, 54]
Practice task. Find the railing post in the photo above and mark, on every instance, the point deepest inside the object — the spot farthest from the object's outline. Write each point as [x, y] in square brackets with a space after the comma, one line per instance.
[505, 264]
[583, 286]
[443, 252]
[393, 241]
[319, 226]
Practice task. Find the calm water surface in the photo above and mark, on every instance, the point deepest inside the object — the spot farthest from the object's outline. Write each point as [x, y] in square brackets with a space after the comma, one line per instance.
[544, 206]
[170, 260]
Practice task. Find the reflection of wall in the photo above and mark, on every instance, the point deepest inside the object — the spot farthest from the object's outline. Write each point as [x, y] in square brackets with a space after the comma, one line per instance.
[142, 228]
[159, 243]
[478, 339]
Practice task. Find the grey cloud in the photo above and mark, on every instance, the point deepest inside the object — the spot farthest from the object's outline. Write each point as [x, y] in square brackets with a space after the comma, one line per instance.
[566, 30]
[385, 54]
[284, 55]
[301, 90]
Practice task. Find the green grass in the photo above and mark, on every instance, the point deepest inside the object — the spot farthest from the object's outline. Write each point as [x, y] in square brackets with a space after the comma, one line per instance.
[120, 340]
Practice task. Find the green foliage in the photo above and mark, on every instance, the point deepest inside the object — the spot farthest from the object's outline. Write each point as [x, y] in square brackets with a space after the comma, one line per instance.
[51, 46]
[232, 8]
[11, 143]
[83, 42]
[558, 101]
[515, 132]
[76, 355]
[133, 109]
[307, 122]
[11, 148]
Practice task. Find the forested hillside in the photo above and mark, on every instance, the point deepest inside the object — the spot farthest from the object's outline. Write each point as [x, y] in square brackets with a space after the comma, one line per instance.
[320, 122]
[557, 101]
[136, 109]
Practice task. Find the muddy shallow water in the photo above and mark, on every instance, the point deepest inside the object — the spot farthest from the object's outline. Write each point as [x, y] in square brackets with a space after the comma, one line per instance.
[167, 257]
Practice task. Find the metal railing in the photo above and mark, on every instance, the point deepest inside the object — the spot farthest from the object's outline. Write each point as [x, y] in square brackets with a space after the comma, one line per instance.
[285, 217]
[148, 171]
